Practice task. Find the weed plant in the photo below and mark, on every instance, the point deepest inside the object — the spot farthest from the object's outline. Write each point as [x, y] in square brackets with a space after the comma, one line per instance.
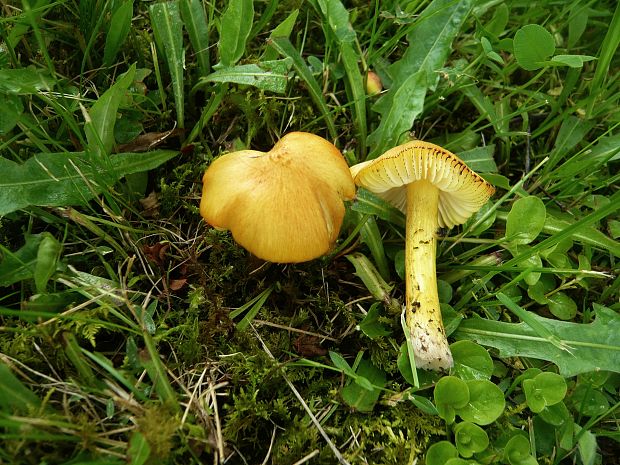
[133, 333]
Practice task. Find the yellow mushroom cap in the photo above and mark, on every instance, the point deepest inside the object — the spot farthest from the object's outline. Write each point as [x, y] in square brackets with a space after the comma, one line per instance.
[462, 192]
[285, 205]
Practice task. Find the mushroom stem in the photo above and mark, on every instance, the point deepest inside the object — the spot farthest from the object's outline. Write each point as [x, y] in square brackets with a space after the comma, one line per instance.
[422, 311]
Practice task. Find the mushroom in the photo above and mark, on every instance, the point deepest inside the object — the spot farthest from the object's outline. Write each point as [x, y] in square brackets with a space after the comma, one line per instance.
[434, 188]
[285, 205]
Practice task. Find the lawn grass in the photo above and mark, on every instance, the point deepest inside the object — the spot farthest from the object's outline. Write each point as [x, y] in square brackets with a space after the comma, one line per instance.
[133, 332]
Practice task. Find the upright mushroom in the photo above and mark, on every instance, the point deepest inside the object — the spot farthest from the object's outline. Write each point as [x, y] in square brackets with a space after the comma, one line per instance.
[285, 205]
[434, 188]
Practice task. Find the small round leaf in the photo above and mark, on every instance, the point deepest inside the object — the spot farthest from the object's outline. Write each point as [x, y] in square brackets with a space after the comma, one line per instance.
[450, 394]
[525, 220]
[486, 402]
[471, 361]
[470, 439]
[533, 46]
[440, 452]
[517, 451]
[562, 306]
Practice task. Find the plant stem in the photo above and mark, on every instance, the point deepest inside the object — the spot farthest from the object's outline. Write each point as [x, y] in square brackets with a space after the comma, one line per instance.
[423, 314]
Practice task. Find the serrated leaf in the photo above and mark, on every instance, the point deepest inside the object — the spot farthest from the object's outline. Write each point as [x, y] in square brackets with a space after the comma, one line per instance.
[61, 179]
[594, 346]
[271, 76]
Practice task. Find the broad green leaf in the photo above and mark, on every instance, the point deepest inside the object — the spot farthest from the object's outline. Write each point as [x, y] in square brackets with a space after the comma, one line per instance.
[480, 159]
[235, 27]
[525, 220]
[139, 449]
[587, 446]
[577, 22]
[19, 265]
[100, 129]
[120, 24]
[340, 363]
[269, 75]
[562, 306]
[60, 179]
[486, 402]
[593, 346]
[14, 396]
[196, 24]
[12, 109]
[359, 397]
[471, 361]
[24, 81]
[338, 19]
[470, 439]
[430, 42]
[168, 31]
[533, 45]
[588, 401]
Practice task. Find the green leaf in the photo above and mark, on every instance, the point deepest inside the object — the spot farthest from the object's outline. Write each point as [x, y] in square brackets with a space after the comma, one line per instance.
[283, 29]
[14, 396]
[470, 439]
[440, 452]
[517, 451]
[19, 266]
[12, 109]
[120, 24]
[574, 61]
[430, 44]
[471, 361]
[196, 24]
[480, 159]
[60, 179]
[359, 397]
[586, 444]
[340, 363]
[168, 31]
[235, 27]
[486, 402]
[593, 346]
[533, 45]
[338, 19]
[525, 220]
[562, 306]
[24, 81]
[451, 394]
[139, 449]
[543, 390]
[253, 307]
[100, 129]
[368, 203]
[577, 22]
[371, 326]
[48, 254]
[269, 75]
